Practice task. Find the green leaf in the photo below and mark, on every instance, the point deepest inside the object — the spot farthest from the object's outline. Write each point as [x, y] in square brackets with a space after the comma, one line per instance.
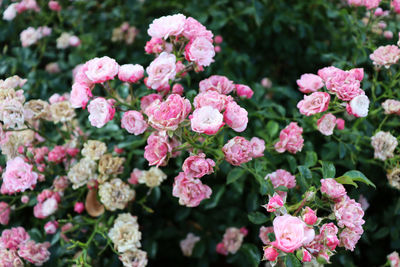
[292, 163]
[346, 180]
[305, 172]
[311, 159]
[234, 174]
[252, 253]
[292, 261]
[358, 176]
[257, 217]
[213, 202]
[272, 128]
[328, 169]
[282, 188]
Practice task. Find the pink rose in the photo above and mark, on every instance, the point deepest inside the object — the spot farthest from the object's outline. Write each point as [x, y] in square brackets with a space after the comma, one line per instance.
[327, 73]
[371, 4]
[290, 139]
[197, 166]
[130, 73]
[349, 213]
[355, 2]
[207, 120]
[218, 39]
[340, 124]
[274, 203]
[157, 149]
[4, 213]
[221, 249]
[132, 121]
[309, 216]
[80, 95]
[74, 41]
[345, 84]
[134, 177]
[309, 83]
[394, 259]
[193, 29]
[12, 238]
[36, 253]
[167, 26]
[349, 239]
[332, 188]
[315, 103]
[358, 106]
[10, 12]
[79, 207]
[388, 35]
[236, 117]
[51, 227]
[263, 234]
[190, 191]
[79, 75]
[396, 6]
[233, 239]
[177, 89]
[281, 177]
[244, 91]
[385, 56]
[57, 154]
[154, 46]
[237, 151]
[46, 208]
[201, 51]
[101, 69]
[101, 111]
[391, 106]
[257, 147]
[147, 100]
[167, 115]
[161, 70]
[18, 177]
[291, 233]
[326, 124]
[54, 5]
[328, 235]
[213, 99]
[270, 254]
[221, 84]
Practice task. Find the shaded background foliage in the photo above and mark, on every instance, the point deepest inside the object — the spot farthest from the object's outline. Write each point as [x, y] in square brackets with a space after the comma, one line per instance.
[270, 38]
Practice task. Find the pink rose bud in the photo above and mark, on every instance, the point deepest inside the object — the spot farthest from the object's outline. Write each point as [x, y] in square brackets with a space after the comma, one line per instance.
[244, 231]
[177, 89]
[340, 124]
[378, 12]
[73, 151]
[21, 149]
[24, 199]
[51, 227]
[221, 249]
[54, 5]
[130, 73]
[266, 83]
[304, 255]
[218, 39]
[180, 67]
[4, 213]
[79, 207]
[135, 174]
[270, 254]
[388, 34]
[309, 216]
[118, 150]
[382, 25]
[74, 41]
[244, 91]
[217, 49]
[333, 189]
[274, 203]
[323, 257]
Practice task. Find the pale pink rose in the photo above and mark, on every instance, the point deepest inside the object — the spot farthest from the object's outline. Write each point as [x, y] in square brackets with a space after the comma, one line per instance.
[270, 254]
[157, 149]
[29, 36]
[101, 111]
[193, 29]
[388, 35]
[358, 106]
[332, 188]
[24, 199]
[309, 216]
[290, 139]
[46, 208]
[18, 177]
[101, 69]
[79, 75]
[134, 177]
[51, 227]
[385, 56]
[54, 5]
[217, 49]
[79, 207]
[349, 213]
[345, 84]
[382, 24]
[363, 202]
[291, 233]
[355, 2]
[154, 46]
[257, 147]
[213, 99]
[244, 91]
[384, 145]
[237, 151]
[177, 89]
[11, 12]
[340, 124]
[263, 234]
[36, 253]
[281, 177]
[27, 5]
[371, 4]
[236, 117]
[167, 115]
[57, 154]
[167, 26]
[201, 51]
[187, 244]
[326, 124]
[391, 106]
[207, 120]
[161, 70]
[328, 235]
[44, 31]
[190, 191]
[310, 83]
[218, 83]
[396, 6]
[147, 100]
[197, 166]
[74, 41]
[233, 239]
[327, 73]
[274, 203]
[266, 83]
[315, 103]
[132, 121]
[349, 239]
[12, 238]
[80, 95]
[130, 73]
[393, 257]
[4, 213]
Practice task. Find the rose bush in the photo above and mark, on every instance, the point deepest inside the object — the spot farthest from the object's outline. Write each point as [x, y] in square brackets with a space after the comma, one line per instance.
[148, 132]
